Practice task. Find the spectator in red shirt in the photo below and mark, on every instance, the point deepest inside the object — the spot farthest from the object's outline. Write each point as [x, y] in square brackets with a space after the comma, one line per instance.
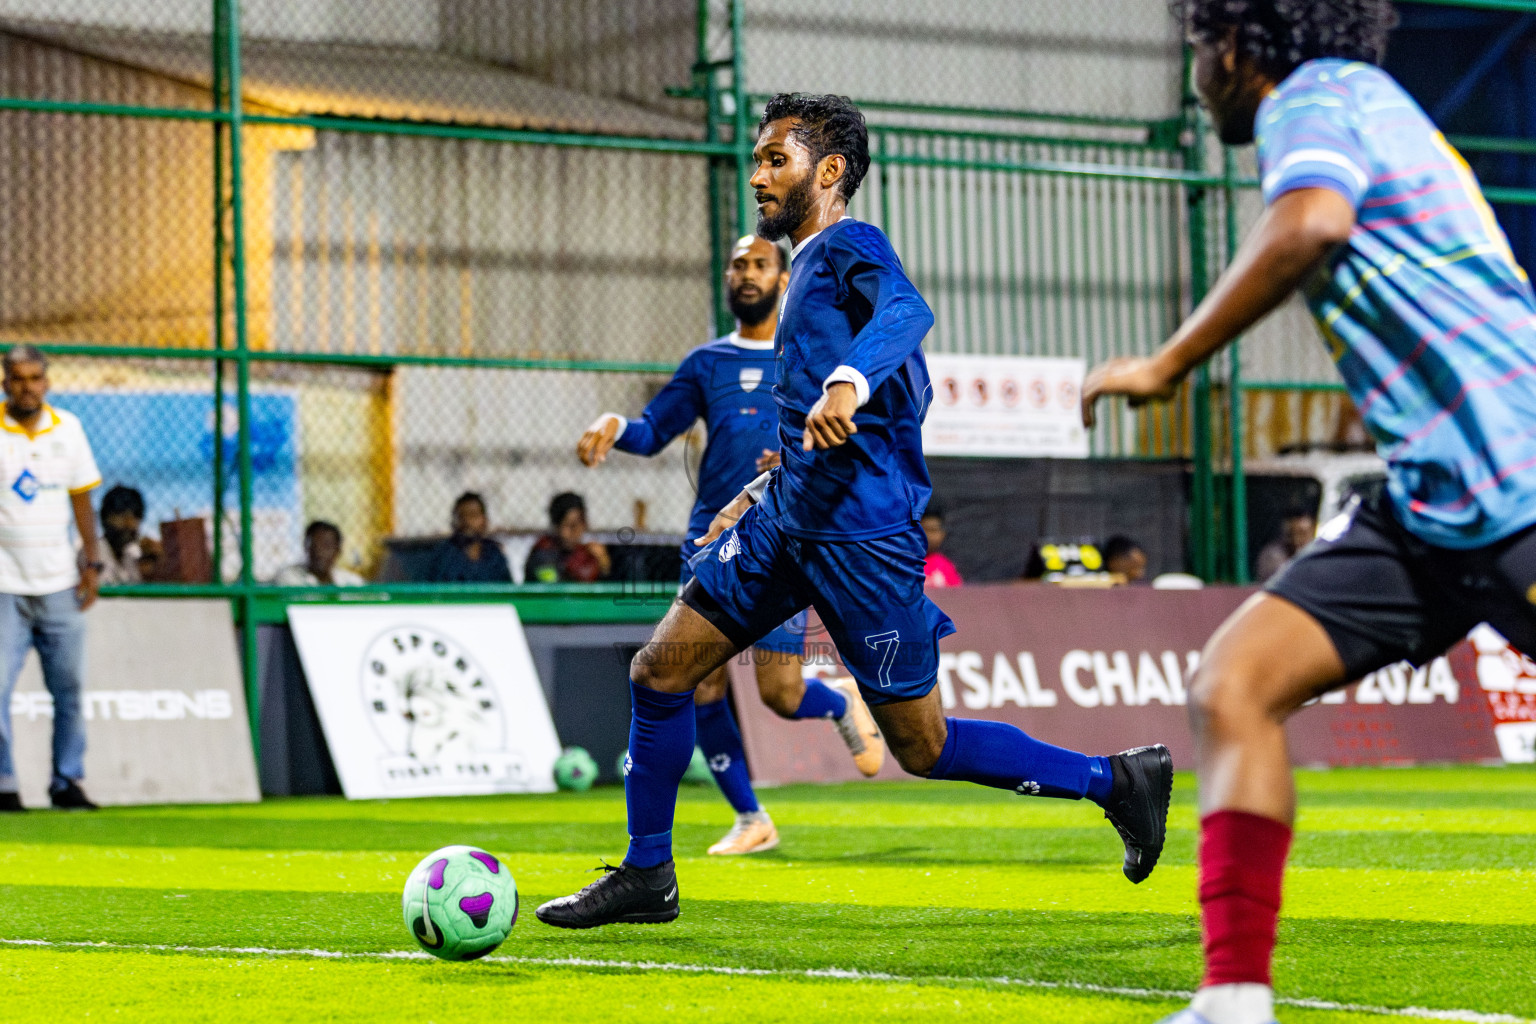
[938, 570]
[566, 555]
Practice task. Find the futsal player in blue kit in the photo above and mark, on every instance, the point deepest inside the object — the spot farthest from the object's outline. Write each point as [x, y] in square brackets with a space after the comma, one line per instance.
[728, 384]
[835, 526]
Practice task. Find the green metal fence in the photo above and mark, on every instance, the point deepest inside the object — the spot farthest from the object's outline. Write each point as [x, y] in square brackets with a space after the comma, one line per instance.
[385, 270]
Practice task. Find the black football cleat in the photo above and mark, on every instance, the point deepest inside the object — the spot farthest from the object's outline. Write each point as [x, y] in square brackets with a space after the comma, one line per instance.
[71, 797]
[1138, 806]
[11, 802]
[624, 895]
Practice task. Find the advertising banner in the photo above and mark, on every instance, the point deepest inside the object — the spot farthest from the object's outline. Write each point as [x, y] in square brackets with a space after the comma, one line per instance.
[1012, 406]
[427, 700]
[1508, 679]
[162, 442]
[1103, 670]
[165, 718]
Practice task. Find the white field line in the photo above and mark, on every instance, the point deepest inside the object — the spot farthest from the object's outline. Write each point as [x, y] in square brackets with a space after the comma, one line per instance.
[1411, 1012]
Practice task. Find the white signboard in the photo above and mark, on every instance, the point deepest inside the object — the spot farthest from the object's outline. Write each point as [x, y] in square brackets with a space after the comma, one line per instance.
[1005, 406]
[164, 708]
[427, 700]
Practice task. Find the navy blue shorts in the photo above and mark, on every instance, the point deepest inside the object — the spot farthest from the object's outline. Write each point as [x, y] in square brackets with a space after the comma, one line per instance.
[869, 594]
[787, 637]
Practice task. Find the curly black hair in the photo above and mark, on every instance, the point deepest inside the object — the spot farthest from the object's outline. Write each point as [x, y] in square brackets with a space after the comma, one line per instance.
[828, 124]
[1280, 35]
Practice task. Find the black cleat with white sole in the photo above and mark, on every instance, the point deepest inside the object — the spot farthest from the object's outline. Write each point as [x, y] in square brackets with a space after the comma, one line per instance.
[624, 895]
[1138, 806]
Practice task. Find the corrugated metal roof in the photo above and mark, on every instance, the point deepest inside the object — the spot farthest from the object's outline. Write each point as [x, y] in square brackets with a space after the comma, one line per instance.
[391, 83]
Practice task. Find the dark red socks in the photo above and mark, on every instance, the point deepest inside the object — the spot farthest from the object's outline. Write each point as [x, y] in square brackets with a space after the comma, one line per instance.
[1242, 860]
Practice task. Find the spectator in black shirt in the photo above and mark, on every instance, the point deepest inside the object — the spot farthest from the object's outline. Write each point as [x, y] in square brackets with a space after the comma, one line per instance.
[469, 556]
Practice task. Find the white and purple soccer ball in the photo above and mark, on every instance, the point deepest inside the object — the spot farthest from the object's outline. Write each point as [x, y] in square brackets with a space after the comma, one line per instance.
[460, 903]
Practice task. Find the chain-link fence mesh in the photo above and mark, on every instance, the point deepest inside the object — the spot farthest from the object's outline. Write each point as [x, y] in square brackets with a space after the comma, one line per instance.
[407, 246]
[1083, 57]
[1018, 262]
[369, 254]
[461, 302]
[470, 226]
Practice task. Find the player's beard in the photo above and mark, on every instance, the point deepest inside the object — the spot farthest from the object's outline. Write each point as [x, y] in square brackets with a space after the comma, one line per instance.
[794, 208]
[753, 313]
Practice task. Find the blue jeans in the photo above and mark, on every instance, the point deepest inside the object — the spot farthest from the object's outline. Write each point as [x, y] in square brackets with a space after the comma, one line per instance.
[55, 625]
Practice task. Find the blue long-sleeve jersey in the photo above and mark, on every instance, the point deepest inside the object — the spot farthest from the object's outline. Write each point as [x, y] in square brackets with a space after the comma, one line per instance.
[849, 304]
[728, 384]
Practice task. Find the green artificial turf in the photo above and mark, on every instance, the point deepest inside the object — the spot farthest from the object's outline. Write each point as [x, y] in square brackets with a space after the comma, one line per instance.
[1408, 888]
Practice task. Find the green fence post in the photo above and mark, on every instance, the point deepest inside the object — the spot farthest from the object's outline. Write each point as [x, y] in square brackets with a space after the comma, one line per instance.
[220, 104]
[1238, 501]
[1202, 534]
[231, 11]
[704, 82]
[746, 203]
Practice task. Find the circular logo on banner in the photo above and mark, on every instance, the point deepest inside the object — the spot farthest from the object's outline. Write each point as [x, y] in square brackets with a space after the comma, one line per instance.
[1066, 394]
[1010, 392]
[427, 697]
[1039, 393]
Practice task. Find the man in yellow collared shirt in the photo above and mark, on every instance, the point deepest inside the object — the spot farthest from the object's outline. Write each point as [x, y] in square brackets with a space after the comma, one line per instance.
[46, 471]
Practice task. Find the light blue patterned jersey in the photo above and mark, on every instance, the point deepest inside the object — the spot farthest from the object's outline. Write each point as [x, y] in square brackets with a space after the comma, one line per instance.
[1429, 318]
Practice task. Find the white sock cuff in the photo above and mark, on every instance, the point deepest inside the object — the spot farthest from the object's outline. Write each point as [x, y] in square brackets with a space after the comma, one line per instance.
[1236, 1004]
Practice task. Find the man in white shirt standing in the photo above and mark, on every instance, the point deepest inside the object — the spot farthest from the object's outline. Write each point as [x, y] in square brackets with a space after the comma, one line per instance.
[47, 472]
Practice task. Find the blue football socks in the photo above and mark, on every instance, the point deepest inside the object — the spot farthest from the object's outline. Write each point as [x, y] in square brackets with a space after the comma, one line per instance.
[821, 701]
[661, 736]
[720, 740]
[1000, 755]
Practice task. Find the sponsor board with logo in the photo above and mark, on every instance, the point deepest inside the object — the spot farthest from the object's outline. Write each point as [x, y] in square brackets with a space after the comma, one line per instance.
[165, 716]
[1508, 680]
[427, 700]
[1012, 406]
[1103, 670]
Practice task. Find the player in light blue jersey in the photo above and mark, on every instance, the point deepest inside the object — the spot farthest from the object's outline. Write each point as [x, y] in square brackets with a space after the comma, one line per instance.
[1380, 225]
[728, 383]
[835, 526]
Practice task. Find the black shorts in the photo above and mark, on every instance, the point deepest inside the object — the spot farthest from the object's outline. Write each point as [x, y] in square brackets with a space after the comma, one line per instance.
[1385, 596]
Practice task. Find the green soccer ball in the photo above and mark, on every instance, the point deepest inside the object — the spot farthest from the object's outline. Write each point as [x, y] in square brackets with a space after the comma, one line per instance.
[697, 773]
[460, 903]
[575, 769]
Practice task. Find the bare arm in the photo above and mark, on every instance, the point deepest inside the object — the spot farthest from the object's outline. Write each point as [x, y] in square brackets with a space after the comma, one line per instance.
[728, 517]
[1293, 236]
[85, 523]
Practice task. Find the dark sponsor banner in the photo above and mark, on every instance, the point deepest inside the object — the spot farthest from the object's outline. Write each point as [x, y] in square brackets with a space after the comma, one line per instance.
[164, 708]
[1102, 670]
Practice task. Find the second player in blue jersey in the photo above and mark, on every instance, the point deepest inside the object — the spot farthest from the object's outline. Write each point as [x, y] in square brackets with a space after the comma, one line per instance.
[728, 384]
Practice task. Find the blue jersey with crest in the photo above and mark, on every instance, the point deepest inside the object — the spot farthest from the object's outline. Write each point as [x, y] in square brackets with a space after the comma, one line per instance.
[1430, 320]
[849, 303]
[728, 383]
